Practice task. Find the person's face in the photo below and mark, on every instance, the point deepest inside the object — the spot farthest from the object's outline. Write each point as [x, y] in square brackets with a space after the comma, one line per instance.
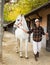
[37, 23]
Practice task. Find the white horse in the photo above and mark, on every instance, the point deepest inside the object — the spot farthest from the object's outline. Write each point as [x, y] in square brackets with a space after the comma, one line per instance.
[21, 35]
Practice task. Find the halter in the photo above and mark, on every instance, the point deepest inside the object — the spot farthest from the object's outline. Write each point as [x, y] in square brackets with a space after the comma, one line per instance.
[21, 21]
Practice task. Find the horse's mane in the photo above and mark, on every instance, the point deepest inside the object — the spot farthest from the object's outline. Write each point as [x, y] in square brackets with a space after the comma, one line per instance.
[24, 23]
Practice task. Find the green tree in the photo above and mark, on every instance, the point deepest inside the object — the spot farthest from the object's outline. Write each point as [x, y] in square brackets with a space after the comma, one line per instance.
[11, 11]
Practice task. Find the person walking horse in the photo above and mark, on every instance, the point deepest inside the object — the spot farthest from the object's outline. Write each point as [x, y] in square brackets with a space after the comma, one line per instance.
[38, 31]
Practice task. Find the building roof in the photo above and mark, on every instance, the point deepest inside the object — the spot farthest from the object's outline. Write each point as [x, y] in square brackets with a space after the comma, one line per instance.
[46, 5]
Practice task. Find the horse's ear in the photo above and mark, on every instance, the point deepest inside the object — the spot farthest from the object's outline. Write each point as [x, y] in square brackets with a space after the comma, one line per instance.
[21, 14]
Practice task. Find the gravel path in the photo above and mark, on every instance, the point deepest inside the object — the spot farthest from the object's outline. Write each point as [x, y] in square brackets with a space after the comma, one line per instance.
[10, 57]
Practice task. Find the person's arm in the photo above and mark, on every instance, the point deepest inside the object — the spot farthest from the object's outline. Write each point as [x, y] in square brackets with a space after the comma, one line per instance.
[27, 31]
[44, 33]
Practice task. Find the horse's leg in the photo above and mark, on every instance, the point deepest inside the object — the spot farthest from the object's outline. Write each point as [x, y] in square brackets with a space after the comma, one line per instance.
[21, 48]
[18, 45]
[26, 49]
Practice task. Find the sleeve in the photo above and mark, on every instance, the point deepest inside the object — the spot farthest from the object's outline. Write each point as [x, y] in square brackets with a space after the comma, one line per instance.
[29, 32]
[43, 31]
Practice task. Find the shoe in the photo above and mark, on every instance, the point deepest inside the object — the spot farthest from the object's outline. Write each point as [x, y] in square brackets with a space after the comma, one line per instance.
[37, 54]
[36, 57]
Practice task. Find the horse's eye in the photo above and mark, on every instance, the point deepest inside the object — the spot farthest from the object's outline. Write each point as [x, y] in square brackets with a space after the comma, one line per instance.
[18, 20]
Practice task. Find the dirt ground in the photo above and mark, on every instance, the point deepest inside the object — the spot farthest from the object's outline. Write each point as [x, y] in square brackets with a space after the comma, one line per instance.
[10, 57]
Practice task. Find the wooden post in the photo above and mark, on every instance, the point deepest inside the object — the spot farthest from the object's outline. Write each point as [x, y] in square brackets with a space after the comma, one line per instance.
[48, 30]
[1, 27]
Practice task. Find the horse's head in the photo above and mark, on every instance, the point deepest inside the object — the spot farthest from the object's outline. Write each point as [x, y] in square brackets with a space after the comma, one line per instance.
[21, 21]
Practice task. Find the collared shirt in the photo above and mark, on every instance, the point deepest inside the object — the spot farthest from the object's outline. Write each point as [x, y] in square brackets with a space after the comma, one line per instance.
[37, 33]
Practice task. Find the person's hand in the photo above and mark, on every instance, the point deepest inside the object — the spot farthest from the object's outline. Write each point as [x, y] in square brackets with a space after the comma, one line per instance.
[47, 36]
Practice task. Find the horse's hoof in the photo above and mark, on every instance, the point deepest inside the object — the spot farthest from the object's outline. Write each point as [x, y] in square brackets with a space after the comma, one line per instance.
[17, 51]
[26, 57]
[21, 56]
